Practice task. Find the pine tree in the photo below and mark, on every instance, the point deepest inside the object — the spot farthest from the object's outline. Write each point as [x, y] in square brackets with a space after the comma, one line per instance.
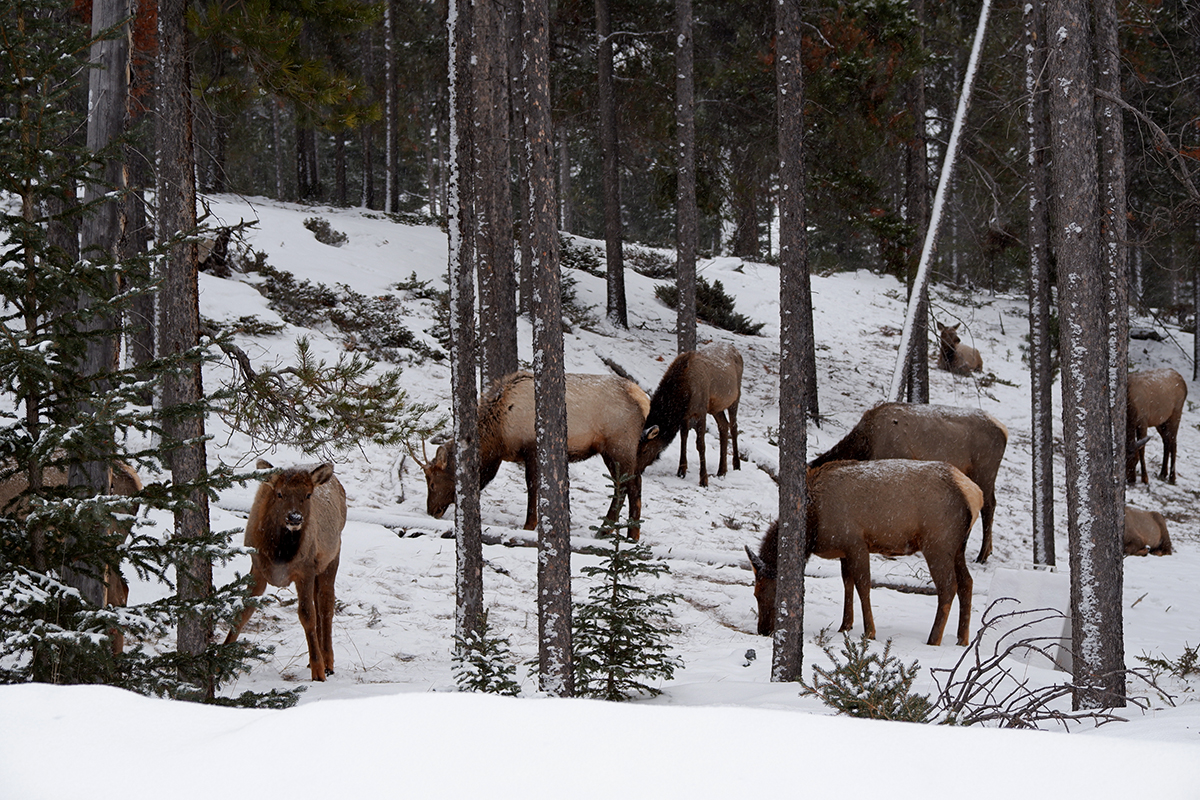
[481, 662]
[61, 419]
[620, 634]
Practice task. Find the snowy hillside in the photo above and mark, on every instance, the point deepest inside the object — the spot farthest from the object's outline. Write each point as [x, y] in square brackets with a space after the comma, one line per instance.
[395, 587]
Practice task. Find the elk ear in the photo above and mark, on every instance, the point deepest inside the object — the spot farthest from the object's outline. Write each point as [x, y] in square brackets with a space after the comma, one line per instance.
[264, 464]
[756, 563]
[322, 473]
[441, 458]
[650, 433]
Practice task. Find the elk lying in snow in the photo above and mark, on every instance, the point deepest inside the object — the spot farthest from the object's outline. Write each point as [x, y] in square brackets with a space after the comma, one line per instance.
[892, 507]
[295, 527]
[1154, 399]
[970, 439]
[698, 382]
[123, 481]
[1145, 533]
[953, 355]
[605, 415]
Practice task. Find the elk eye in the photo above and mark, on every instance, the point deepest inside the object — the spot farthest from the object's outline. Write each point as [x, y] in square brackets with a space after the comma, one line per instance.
[308, 496]
[279, 495]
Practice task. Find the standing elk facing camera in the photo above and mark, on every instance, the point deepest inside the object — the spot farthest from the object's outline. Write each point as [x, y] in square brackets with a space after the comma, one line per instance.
[953, 355]
[1145, 533]
[1154, 399]
[605, 414]
[895, 508]
[295, 527]
[698, 382]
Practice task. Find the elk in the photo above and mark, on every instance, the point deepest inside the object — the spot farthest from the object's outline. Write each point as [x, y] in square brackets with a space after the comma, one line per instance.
[1154, 399]
[698, 382]
[970, 439]
[953, 355]
[893, 507]
[295, 527]
[1145, 533]
[605, 414]
[123, 481]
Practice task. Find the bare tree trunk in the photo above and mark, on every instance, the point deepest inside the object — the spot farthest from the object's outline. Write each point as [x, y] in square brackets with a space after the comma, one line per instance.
[468, 529]
[1040, 368]
[277, 139]
[391, 192]
[517, 93]
[686, 213]
[917, 202]
[493, 197]
[796, 340]
[566, 220]
[180, 311]
[611, 175]
[555, 671]
[339, 168]
[1093, 518]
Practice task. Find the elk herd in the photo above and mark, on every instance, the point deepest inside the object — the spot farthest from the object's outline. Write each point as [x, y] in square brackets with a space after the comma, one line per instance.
[905, 479]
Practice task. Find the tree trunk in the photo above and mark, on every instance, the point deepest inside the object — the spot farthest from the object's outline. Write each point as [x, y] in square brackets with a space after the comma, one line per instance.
[339, 169]
[102, 230]
[493, 197]
[686, 212]
[795, 342]
[468, 529]
[277, 139]
[391, 193]
[555, 670]
[1094, 524]
[517, 93]
[611, 183]
[179, 305]
[1040, 368]
[917, 202]
[566, 220]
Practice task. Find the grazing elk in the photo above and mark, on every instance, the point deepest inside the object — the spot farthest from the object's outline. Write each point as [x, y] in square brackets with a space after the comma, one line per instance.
[295, 527]
[123, 481]
[895, 508]
[1145, 533]
[953, 355]
[1154, 399]
[970, 439]
[698, 382]
[605, 414]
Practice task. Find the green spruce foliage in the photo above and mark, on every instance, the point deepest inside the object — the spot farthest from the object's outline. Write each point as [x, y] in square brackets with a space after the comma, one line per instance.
[482, 662]
[621, 632]
[65, 431]
[872, 685]
[712, 306]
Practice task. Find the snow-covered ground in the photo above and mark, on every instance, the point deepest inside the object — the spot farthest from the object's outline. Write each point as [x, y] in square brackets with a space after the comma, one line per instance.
[389, 720]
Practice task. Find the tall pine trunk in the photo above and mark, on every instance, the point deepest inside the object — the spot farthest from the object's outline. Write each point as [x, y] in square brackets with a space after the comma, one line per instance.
[179, 307]
[555, 672]
[468, 614]
[610, 169]
[917, 202]
[686, 212]
[1094, 523]
[1040, 367]
[795, 342]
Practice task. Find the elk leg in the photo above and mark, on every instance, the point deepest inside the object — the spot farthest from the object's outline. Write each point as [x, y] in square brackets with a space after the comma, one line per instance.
[848, 604]
[700, 452]
[619, 488]
[942, 574]
[1168, 431]
[260, 586]
[683, 436]
[326, 605]
[306, 609]
[1142, 453]
[860, 571]
[635, 507]
[965, 587]
[732, 411]
[987, 515]
[723, 435]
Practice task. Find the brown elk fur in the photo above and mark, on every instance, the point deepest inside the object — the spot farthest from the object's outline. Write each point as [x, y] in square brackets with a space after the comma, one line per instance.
[892, 507]
[972, 440]
[124, 481]
[1145, 533]
[699, 382]
[295, 527]
[1154, 399]
[605, 414]
[953, 355]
